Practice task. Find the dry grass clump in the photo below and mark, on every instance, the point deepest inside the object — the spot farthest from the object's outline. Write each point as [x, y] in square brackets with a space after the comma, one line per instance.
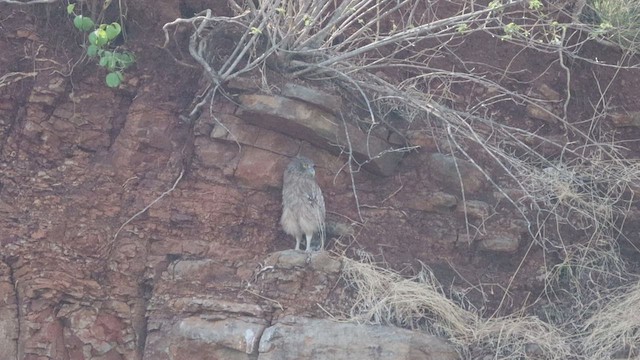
[518, 337]
[600, 320]
[385, 297]
[614, 329]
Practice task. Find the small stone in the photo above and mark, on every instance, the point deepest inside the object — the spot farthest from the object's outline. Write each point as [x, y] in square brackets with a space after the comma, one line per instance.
[423, 139]
[445, 168]
[322, 99]
[533, 350]
[500, 243]
[216, 154]
[436, 202]
[260, 168]
[28, 34]
[323, 262]
[219, 132]
[548, 93]
[474, 209]
[541, 112]
[630, 119]
[287, 259]
[338, 229]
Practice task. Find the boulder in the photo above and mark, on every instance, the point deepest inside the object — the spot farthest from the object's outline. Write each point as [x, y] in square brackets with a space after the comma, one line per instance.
[294, 338]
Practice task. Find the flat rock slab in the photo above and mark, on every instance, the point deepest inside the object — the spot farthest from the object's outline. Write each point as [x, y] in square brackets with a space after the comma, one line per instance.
[326, 101]
[241, 335]
[452, 172]
[198, 328]
[295, 338]
[301, 120]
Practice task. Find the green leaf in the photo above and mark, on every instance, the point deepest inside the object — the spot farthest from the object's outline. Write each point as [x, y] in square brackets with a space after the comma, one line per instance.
[462, 28]
[93, 38]
[114, 79]
[124, 59]
[113, 30]
[535, 4]
[307, 20]
[104, 60]
[92, 50]
[70, 8]
[109, 60]
[83, 23]
[495, 4]
[99, 37]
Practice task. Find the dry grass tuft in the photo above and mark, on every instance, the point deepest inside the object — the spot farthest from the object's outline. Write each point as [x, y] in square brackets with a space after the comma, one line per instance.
[385, 297]
[615, 328]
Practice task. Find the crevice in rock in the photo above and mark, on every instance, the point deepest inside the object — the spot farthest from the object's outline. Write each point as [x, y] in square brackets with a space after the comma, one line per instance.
[17, 117]
[121, 119]
[140, 319]
[19, 344]
[146, 285]
[86, 150]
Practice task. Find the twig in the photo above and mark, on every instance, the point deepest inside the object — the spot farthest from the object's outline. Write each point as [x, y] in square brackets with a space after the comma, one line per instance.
[266, 298]
[113, 240]
[351, 172]
[12, 77]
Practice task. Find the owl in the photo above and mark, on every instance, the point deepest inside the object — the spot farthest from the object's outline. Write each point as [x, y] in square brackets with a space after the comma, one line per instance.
[303, 211]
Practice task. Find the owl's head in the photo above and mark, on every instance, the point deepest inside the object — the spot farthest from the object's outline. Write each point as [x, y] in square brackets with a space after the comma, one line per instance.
[303, 166]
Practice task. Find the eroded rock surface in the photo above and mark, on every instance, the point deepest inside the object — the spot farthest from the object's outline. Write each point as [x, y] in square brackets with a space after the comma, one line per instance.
[8, 315]
[190, 317]
[301, 338]
[319, 127]
[456, 174]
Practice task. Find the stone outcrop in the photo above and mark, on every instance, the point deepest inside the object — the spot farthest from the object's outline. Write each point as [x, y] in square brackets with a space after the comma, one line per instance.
[319, 127]
[294, 338]
[185, 322]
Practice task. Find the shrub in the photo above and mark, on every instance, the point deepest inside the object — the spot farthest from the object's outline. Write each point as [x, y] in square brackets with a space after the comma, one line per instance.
[100, 39]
